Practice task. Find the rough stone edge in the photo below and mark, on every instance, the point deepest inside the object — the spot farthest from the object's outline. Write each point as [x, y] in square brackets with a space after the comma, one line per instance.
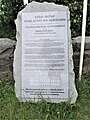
[17, 53]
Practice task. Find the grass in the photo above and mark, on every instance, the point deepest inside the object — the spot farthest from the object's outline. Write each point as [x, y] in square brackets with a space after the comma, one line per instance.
[12, 109]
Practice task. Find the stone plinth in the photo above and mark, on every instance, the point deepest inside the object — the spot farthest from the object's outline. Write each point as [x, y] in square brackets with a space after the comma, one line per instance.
[45, 19]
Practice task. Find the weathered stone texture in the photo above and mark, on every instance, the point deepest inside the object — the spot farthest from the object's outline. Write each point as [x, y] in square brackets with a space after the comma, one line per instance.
[86, 62]
[41, 7]
[6, 58]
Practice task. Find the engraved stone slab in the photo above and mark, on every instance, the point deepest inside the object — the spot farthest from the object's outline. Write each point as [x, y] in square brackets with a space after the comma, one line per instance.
[43, 66]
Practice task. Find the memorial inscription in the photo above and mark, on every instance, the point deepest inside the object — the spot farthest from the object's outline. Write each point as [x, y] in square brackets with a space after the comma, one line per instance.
[44, 54]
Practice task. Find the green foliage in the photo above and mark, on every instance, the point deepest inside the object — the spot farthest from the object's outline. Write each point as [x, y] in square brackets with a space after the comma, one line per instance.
[10, 8]
[12, 109]
[8, 14]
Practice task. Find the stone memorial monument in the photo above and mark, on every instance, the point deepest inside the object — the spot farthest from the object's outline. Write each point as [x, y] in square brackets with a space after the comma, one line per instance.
[43, 65]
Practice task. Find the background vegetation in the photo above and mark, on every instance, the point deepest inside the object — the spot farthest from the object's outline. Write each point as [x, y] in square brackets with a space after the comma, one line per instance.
[12, 109]
[10, 8]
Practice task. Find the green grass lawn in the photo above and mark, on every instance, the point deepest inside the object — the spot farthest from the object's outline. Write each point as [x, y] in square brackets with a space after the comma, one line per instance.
[12, 109]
